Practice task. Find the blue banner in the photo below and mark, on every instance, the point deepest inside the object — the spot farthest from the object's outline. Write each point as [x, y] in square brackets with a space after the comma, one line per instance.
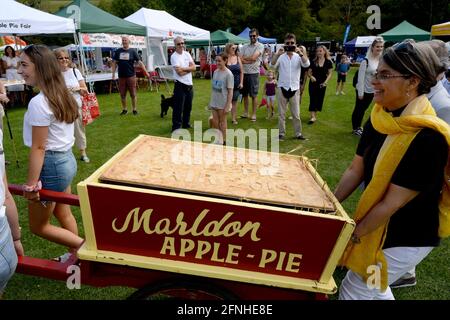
[347, 31]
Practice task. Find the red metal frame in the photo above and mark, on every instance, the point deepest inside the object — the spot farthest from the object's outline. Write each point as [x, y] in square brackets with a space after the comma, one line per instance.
[103, 274]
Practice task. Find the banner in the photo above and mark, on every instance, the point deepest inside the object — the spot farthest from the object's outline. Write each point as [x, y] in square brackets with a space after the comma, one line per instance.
[347, 31]
[105, 40]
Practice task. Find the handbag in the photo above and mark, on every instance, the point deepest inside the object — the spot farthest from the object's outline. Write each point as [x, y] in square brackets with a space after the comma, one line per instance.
[89, 108]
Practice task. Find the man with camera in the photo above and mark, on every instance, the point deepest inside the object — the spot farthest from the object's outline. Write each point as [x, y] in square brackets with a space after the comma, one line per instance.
[288, 61]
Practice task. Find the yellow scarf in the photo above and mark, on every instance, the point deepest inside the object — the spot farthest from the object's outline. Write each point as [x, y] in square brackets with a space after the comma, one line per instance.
[401, 131]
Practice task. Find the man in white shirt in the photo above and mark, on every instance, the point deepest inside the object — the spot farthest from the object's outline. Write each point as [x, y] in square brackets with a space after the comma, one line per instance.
[183, 92]
[251, 57]
[288, 61]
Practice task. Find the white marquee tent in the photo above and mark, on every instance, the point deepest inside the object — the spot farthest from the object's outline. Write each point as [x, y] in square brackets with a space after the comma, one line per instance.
[161, 24]
[19, 19]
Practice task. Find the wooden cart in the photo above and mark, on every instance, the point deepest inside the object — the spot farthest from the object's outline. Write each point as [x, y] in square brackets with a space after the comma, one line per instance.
[191, 220]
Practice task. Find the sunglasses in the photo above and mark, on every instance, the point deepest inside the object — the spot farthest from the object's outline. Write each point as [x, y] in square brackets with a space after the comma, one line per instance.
[253, 36]
[180, 44]
[387, 76]
[63, 58]
[33, 48]
[290, 43]
[404, 47]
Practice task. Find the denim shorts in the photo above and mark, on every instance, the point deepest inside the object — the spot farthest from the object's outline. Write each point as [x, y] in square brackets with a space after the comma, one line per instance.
[8, 256]
[58, 170]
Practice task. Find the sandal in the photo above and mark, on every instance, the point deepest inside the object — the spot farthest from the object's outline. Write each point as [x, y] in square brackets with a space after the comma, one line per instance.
[234, 122]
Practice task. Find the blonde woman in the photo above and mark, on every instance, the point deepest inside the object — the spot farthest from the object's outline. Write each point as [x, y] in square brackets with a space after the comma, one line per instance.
[235, 65]
[319, 74]
[48, 131]
[364, 88]
[76, 85]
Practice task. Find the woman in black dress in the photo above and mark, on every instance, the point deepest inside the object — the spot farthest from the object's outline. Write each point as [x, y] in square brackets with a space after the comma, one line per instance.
[319, 74]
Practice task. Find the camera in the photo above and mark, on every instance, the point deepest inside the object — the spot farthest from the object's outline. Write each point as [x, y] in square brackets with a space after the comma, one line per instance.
[289, 48]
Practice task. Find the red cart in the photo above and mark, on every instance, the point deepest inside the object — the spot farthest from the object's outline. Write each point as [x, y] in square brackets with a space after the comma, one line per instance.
[162, 217]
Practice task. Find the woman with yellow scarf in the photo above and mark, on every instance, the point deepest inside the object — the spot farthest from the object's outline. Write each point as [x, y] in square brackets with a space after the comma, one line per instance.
[401, 158]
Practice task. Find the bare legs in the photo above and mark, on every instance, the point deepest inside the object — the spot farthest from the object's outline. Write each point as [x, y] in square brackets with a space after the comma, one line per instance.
[40, 215]
[219, 122]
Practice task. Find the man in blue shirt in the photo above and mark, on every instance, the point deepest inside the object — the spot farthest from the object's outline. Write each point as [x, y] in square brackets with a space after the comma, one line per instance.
[125, 58]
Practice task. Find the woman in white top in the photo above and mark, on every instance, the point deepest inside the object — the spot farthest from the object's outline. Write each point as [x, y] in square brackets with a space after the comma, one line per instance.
[48, 130]
[77, 87]
[10, 64]
[364, 89]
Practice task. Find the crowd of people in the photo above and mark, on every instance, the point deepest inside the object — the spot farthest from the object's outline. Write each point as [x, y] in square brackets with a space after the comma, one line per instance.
[401, 158]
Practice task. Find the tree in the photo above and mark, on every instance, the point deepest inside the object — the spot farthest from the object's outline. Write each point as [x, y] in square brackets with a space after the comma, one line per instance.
[124, 8]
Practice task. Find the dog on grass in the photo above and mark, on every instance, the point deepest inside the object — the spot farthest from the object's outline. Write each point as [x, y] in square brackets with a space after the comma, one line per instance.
[166, 103]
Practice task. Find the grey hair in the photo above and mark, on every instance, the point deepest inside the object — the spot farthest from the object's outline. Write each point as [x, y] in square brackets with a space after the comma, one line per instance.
[178, 38]
[441, 52]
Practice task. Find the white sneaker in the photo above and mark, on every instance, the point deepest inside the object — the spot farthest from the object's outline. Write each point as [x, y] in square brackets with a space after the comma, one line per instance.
[343, 93]
[337, 93]
[63, 258]
[85, 158]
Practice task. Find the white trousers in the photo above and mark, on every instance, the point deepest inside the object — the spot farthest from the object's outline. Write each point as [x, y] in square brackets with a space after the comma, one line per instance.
[294, 106]
[80, 132]
[399, 261]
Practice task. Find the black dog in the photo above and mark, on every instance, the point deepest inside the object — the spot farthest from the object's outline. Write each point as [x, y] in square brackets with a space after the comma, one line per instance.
[166, 103]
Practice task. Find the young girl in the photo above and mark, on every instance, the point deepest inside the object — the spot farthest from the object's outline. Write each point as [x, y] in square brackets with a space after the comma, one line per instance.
[270, 93]
[221, 96]
[48, 130]
[342, 68]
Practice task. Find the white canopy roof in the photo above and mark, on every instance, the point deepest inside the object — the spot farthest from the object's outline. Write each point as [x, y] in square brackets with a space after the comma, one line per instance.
[161, 24]
[364, 42]
[19, 19]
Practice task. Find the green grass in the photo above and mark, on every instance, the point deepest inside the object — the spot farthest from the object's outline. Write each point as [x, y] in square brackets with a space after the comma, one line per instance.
[330, 146]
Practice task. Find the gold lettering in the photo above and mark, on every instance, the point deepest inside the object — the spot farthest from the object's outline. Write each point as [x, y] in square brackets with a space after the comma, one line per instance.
[213, 228]
[280, 261]
[203, 247]
[193, 231]
[215, 255]
[165, 229]
[181, 224]
[145, 219]
[291, 263]
[253, 226]
[267, 256]
[235, 226]
[125, 224]
[216, 226]
[169, 244]
[232, 253]
[187, 245]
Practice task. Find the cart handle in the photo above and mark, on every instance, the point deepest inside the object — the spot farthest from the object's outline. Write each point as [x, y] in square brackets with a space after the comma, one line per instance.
[55, 196]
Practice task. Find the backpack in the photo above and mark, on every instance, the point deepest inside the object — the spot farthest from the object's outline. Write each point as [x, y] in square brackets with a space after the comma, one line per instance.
[355, 77]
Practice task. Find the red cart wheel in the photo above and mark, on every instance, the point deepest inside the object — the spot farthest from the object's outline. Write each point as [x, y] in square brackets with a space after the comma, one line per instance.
[182, 289]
